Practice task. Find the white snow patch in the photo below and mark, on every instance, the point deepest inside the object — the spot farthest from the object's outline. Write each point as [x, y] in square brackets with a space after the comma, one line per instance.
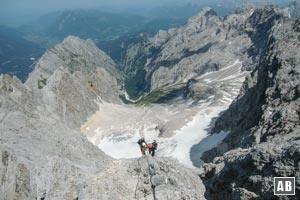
[206, 144]
[179, 146]
[231, 71]
[123, 144]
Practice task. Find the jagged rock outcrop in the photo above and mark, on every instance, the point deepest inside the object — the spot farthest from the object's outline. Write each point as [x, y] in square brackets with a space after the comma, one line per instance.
[248, 173]
[37, 149]
[71, 76]
[264, 119]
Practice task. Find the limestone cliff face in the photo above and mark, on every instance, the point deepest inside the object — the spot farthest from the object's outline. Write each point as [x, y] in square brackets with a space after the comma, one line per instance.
[264, 119]
[72, 77]
[269, 94]
[37, 149]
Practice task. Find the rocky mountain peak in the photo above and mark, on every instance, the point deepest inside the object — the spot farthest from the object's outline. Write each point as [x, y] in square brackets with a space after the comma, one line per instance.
[73, 54]
[207, 17]
[206, 12]
[77, 46]
[267, 14]
[75, 43]
[71, 77]
[245, 8]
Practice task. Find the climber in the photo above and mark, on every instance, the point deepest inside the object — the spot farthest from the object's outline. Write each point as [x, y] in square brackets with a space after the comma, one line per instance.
[142, 144]
[152, 148]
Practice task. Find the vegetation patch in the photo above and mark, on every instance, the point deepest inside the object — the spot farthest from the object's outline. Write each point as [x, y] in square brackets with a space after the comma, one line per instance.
[135, 86]
[123, 98]
[42, 82]
[163, 94]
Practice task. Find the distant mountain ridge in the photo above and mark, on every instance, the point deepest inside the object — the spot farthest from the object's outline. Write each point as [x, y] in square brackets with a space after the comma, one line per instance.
[93, 24]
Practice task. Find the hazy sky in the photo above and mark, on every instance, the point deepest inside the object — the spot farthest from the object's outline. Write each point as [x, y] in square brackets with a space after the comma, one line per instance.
[16, 7]
[11, 10]
[25, 6]
[22, 10]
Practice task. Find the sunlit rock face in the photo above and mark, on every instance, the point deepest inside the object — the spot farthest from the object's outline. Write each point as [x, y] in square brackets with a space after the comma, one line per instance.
[264, 120]
[72, 77]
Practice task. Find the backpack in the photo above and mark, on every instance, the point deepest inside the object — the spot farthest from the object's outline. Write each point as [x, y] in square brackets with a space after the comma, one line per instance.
[154, 145]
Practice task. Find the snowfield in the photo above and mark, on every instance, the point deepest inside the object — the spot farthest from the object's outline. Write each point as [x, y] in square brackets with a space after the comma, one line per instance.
[191, 134]
[182, 131]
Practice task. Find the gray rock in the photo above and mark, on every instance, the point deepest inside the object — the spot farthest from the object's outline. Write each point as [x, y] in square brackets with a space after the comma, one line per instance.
[263, 120]
[249, 173]
[267, 100]
[71, 78]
